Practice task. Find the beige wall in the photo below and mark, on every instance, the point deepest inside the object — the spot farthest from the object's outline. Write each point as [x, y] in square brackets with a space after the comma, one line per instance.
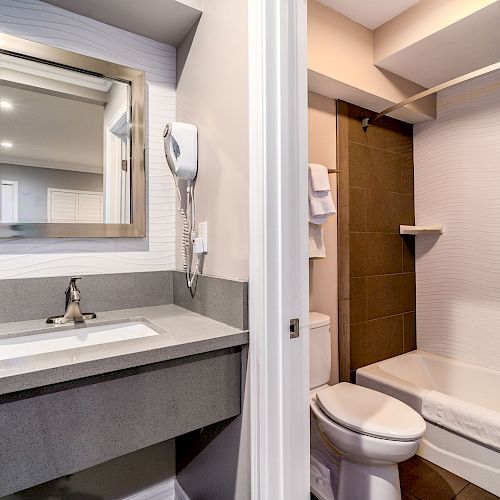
[323, 294]
[341, 50]
[212, 92]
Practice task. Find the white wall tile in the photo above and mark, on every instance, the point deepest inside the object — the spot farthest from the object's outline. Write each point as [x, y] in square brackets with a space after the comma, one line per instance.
[45, 23]
[457, 183]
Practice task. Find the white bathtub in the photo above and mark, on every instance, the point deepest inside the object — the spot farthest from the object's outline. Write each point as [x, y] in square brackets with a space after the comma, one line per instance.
[408, 376]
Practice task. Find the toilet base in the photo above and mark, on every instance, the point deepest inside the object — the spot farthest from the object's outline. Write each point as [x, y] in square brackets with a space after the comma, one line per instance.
[322, 484]
[370, 481]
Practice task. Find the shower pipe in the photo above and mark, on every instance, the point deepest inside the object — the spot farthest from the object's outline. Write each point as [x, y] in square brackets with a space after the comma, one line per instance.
[365, 122]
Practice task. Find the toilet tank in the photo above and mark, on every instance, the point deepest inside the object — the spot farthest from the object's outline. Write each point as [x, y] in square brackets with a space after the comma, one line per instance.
[320, 349]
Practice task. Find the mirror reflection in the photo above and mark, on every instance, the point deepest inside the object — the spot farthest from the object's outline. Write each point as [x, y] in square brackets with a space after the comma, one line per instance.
[64, 145]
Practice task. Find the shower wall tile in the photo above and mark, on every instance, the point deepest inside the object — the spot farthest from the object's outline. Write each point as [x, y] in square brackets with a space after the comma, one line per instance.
[380, 268]
[457, 184]
[376, 340]
[409, 332]
[390, 294]
[374, 168]
[374, 253]
[408, 254]
[407, 173]
[357, 200]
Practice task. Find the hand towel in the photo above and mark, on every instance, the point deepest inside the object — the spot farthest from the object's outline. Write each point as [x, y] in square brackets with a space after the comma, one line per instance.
[317, 248]
[319, 177]
[320, 203]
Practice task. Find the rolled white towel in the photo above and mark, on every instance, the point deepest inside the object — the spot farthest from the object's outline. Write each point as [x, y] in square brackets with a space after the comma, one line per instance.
[468, 419]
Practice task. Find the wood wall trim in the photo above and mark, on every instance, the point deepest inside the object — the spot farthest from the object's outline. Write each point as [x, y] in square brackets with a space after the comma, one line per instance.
[343, 240]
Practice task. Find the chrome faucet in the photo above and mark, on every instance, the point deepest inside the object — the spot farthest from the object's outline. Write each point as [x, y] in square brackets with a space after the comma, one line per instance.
[73, 313]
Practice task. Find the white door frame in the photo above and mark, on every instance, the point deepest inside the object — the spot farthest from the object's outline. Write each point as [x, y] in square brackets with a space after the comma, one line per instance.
[112, 182]
[15, 200]
[278, 365]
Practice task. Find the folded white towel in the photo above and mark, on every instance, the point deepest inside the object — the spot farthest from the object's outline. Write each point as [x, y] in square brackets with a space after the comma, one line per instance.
[468, 419]
[317, 248]
[319, 177]
[320, 204]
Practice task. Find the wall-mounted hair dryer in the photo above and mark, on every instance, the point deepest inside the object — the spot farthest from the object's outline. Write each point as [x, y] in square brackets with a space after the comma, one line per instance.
[181, 149]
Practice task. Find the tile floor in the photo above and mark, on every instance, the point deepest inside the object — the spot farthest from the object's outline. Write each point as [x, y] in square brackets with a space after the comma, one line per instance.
[422, 480]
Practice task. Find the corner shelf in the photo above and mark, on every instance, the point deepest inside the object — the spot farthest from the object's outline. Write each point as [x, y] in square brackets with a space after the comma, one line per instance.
[414, 230]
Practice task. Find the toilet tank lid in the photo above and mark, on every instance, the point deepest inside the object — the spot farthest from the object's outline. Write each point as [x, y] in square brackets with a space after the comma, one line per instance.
[317, 320]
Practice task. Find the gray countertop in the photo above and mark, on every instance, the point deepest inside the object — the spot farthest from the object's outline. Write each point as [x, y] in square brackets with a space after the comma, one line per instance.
[181, 333]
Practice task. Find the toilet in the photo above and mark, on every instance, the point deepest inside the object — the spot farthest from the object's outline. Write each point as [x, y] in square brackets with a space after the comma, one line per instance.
[358, 435]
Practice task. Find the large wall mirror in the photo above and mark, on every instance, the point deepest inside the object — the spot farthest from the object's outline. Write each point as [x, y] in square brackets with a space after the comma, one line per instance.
[71, 144]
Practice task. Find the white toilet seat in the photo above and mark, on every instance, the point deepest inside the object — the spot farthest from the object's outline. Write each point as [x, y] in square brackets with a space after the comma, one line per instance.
[368, 463]
[370, 412]
[362, 447]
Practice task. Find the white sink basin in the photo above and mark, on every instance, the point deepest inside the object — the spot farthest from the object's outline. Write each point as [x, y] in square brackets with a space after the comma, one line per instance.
[29, 345]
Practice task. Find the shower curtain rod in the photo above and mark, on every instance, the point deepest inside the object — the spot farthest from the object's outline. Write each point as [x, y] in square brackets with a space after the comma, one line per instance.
[487, 69]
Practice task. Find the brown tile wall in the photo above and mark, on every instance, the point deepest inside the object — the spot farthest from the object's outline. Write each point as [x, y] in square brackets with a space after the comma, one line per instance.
[376, 264]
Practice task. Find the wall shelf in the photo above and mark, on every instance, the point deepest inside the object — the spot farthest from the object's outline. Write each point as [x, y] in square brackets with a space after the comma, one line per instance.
[414, 230]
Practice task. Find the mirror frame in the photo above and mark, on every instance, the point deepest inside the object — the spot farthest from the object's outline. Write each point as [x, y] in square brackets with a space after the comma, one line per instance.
[26, 49]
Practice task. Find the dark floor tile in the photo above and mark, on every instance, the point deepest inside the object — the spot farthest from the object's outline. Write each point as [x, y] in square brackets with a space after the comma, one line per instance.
[407, 496]
[473, 492]
[427, 481]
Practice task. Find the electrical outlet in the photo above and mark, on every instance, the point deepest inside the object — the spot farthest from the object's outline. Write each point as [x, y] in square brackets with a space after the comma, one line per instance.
[203, 234]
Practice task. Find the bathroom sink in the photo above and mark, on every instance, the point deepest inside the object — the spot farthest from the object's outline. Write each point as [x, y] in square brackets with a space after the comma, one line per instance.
[61, 340]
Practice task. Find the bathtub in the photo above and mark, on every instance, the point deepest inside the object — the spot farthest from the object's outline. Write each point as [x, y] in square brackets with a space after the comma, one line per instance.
[408, 376]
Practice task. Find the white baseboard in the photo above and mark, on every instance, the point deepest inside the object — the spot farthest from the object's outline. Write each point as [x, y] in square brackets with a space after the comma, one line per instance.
[161, 491]
[167, 490]
[180, 494]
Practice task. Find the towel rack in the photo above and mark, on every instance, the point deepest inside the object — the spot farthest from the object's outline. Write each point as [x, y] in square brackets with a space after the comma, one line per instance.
[333, 171]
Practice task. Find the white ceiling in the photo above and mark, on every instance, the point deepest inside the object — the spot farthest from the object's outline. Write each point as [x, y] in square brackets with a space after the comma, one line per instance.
[166, 21]
[369, 13]
[460, 48]
[49, 131]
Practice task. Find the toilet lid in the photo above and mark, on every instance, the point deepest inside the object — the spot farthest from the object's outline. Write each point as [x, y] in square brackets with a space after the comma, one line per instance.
[370, 412]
